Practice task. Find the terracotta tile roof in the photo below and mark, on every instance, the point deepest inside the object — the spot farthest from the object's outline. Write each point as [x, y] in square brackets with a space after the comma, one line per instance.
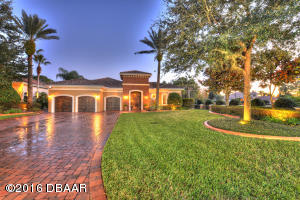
[134, 72]
[164, 85]
[107, 82]
[35, 82]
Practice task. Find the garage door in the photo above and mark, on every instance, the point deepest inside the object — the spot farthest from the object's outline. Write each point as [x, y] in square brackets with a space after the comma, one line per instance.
[112, 104]
[86, 104]
[63, 104]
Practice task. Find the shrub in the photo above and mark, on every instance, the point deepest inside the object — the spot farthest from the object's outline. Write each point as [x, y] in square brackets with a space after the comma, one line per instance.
[267, 102]
[289, 121]
[9, 97]
[220, 102]
[208, 102]
[295, 99]
[285, 103]
[165, 107]
[235, 102]
[43, 100]
[189, 103]
[199, 101]
[174, 99]
[257, 102]
[219, 97]
[257, 113]
[12, 110]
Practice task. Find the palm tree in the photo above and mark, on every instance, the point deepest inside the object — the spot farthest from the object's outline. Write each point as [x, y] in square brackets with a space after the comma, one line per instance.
[68, 75]
[40, 60]
[33, 28]
[158, 43]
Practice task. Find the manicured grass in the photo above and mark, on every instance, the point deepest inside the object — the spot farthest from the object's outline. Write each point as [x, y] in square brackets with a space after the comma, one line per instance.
[256, 127]
[171, 155]
[14, 116]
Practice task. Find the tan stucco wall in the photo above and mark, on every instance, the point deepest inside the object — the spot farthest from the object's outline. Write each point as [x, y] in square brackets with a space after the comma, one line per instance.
[161, 92]
[101, 94]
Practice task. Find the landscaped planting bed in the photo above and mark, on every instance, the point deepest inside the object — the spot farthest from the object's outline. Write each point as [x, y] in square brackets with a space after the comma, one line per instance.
[258, 127]
[16, 115]
[171, 155]
[257, 112]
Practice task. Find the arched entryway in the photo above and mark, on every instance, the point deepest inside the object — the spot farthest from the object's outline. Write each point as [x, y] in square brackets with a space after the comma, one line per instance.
[86, 104]
[113, 103]
[136, 99]
[63, 104]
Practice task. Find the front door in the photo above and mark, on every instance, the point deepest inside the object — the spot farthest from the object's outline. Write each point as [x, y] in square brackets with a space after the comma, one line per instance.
[136, 101]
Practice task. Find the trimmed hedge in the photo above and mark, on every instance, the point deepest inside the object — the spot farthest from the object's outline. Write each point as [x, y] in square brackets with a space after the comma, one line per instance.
[220, 102]
[174, 99]
[285, 103]
[188, 103]
[257, 113]
[257, 102]
[235, 102]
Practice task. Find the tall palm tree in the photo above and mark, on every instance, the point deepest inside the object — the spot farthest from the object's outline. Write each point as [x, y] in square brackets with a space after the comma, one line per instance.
[40, 60]
[68, 75]
[33, 28]
[158, 43]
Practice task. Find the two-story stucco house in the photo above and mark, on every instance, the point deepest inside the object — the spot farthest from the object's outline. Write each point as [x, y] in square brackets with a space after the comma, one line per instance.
[133, 92]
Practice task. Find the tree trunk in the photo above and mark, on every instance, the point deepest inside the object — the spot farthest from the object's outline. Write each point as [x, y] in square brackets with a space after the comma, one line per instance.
[38, 86]
[271, 96]
[38, 71]
[247, 86]
[227, 98]
[29, 87]
[247, 80]
[157, 85]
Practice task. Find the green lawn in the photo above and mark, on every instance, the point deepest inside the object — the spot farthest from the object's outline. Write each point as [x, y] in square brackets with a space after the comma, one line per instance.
[256, 127]
[171, 155]
[14, 116]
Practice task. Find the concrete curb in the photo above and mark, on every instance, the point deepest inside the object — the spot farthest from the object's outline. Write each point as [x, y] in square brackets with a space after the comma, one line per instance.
[271, 137]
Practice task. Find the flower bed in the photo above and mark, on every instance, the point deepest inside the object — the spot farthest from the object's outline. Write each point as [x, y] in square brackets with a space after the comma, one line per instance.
[257, 113]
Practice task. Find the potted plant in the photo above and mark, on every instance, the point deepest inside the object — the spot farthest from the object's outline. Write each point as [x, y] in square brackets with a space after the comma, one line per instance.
[125, 107]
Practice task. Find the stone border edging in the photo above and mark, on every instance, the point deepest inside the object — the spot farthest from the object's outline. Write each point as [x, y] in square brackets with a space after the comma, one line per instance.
[271, 137]
[225, 115]
[95, 177]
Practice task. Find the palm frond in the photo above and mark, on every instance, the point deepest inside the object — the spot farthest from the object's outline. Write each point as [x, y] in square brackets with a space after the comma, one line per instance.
[34, 28]
[157, 40]
[145, 52]
[148, 42]
[39, 51]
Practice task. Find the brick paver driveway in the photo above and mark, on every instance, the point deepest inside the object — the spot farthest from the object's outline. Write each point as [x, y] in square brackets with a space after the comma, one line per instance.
[61, 148]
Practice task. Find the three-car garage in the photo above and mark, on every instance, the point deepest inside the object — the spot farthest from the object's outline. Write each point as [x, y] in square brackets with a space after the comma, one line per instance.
[84, 103]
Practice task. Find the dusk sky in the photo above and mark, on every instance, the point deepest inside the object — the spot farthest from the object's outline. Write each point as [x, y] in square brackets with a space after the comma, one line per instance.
[98, 38]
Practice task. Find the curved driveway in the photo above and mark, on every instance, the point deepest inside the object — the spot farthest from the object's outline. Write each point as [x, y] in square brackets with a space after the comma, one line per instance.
[60, 148]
